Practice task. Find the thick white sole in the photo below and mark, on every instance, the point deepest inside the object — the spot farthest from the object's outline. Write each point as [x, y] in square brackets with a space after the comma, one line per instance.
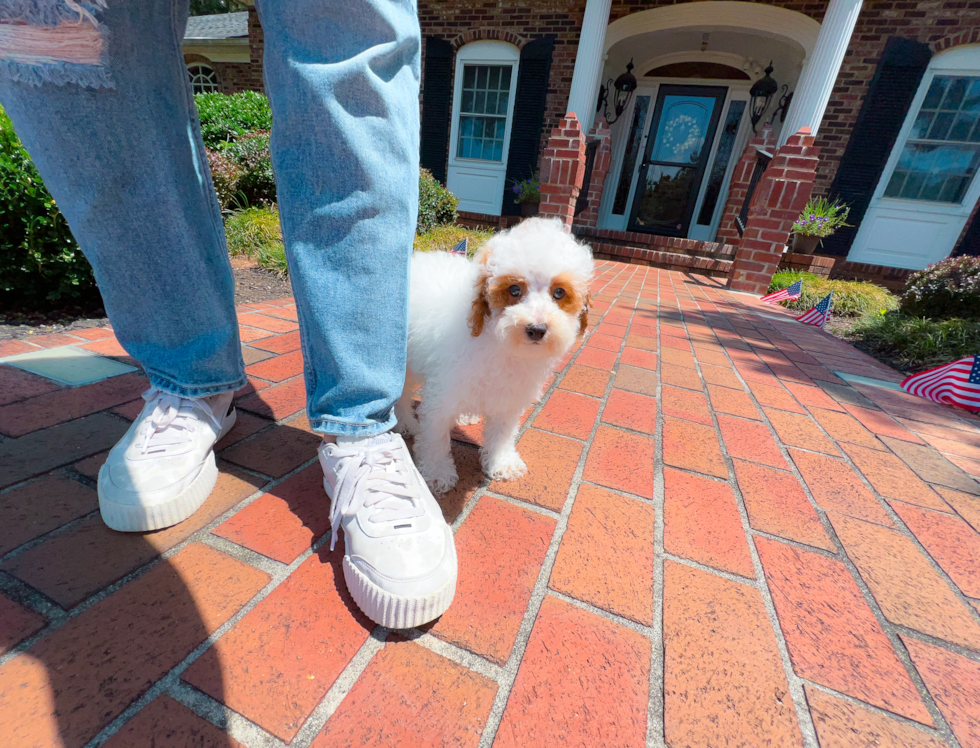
[393, 611]
[136, 518]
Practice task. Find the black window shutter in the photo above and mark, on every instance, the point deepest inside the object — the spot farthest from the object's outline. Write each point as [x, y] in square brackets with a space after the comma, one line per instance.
[529, 102]
[882, 115]
[437, 100]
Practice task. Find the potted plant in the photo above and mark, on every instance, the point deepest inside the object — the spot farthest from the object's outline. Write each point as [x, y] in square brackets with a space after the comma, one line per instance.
[820, 218]
[528, 195]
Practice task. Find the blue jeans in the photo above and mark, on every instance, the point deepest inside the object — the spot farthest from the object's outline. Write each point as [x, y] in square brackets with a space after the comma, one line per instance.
[117, 140]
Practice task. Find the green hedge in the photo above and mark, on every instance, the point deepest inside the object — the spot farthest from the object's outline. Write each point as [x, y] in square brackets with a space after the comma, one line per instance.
[437, 205]
[851, 298]
[41, 266]
[225, 118]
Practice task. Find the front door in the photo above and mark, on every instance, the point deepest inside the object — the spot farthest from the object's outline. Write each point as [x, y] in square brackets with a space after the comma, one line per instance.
[681, 135]
[929, 186]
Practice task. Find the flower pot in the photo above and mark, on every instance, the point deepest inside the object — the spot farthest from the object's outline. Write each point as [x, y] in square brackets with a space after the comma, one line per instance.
[805, 245]
[529, 209]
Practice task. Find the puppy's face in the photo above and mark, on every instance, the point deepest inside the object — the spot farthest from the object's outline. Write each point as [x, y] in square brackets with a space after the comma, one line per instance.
[532, 289]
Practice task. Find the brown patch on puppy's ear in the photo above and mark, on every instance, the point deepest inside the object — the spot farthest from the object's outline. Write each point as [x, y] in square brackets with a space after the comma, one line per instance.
[480, 308]
[583, 316]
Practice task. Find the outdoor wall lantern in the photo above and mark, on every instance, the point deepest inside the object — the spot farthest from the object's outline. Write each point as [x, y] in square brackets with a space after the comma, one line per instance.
[762, 92]
[623, 89]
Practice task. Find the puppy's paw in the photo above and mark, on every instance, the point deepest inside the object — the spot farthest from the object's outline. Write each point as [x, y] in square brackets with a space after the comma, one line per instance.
[505, 467]
[440, 477]
[407, 425]
[468, 419]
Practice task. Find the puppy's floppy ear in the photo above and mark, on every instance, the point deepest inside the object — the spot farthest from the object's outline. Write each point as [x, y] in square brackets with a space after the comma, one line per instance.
[480, 308]
[583, 316]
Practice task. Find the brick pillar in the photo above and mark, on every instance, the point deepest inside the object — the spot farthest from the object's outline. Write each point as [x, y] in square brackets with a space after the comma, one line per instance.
[562, 171]
[739, 185]
[600, 168]
[779, 198]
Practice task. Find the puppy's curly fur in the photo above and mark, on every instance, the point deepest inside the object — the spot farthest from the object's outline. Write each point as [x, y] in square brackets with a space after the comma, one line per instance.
[483, 336]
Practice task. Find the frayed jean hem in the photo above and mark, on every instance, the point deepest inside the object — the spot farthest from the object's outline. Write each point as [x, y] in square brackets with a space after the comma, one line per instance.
[343, 428]
[167, 385]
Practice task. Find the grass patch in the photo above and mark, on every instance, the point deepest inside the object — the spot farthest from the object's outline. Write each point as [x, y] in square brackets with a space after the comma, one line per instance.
[256, 233]
[444, 238]
[851, 298]
[914, 344]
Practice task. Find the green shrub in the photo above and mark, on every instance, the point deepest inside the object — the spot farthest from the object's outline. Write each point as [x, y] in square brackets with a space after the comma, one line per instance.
[917, 344]
[41, 265]
[437, 205]
[444, 238]
[257, 234]
[948, 289]
[256, 182]
[225, 118]
[851, 298]
[225, 174]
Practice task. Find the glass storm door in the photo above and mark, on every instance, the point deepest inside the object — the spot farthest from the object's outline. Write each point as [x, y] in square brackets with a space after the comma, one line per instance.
[681, 134]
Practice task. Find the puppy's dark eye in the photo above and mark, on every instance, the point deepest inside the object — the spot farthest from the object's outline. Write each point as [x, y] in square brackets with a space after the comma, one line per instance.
[559, 293]
[514, 290]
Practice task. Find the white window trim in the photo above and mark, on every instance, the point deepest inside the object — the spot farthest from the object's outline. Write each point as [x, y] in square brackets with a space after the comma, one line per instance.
[198, 63]
[950, 64]
[483, 53]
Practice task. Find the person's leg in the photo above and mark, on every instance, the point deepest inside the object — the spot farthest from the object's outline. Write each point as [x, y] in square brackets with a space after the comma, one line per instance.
[115, 135]
[343, 80]
[99, 95]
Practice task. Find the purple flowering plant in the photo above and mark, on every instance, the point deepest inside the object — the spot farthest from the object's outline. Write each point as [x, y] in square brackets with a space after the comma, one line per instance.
[528, 190]
[821, 217]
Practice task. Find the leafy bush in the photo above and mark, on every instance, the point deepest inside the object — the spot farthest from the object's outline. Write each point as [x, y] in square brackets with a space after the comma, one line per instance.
[40, 261]
[437, 205]
[444, 238]
[851, 298]
[257, 234]
[225, 118]
[225, 173]
[256, 182]
[917, 344]
[528, 191]
[950, 288]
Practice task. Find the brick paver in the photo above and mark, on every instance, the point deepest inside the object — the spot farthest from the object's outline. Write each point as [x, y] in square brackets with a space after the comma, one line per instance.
[719, 542]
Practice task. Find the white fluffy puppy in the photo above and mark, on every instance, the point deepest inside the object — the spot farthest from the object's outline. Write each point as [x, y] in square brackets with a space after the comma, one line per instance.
[482, 337]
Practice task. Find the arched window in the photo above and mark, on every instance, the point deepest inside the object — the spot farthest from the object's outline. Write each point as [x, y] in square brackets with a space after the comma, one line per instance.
[203, 78]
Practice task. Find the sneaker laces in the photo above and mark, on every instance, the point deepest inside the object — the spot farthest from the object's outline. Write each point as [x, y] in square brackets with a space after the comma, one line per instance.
[172, 421]
[372, 476]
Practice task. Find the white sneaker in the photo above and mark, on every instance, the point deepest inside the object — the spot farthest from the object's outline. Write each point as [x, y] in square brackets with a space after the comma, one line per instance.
[163, 468]
[400, 559]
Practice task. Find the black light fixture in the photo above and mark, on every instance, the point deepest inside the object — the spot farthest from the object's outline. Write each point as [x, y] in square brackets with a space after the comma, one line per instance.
[784, 101]
[623, 89]
[762, 92]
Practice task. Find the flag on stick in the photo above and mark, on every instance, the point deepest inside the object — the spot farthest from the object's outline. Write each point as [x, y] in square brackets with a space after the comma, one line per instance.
[787, 294]
[957, 383]
[460, 249]
[819, 315]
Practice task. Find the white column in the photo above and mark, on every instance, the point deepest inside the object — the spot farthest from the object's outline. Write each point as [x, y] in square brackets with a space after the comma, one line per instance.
[588, 62]
[821, 69]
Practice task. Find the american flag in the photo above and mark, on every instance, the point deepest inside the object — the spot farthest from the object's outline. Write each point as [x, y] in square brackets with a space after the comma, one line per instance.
[460, 249]
[957, 383]
[819, 315]
[787, 294]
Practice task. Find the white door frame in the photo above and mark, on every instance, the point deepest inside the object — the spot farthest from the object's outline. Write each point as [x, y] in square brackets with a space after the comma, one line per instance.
[479, 184]
[737, 90]
[960, 61]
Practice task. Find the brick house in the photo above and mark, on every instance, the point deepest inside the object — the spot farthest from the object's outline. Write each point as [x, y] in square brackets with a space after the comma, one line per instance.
[890, 90]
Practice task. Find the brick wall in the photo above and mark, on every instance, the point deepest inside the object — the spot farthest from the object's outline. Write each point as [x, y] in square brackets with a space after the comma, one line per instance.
[940, 24]
[517, 21]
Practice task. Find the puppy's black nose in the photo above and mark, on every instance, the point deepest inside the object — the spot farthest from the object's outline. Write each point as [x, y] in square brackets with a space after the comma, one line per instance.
[536, 332]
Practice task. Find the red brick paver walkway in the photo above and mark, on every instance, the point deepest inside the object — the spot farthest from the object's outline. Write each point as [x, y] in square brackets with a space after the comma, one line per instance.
[720, 543]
